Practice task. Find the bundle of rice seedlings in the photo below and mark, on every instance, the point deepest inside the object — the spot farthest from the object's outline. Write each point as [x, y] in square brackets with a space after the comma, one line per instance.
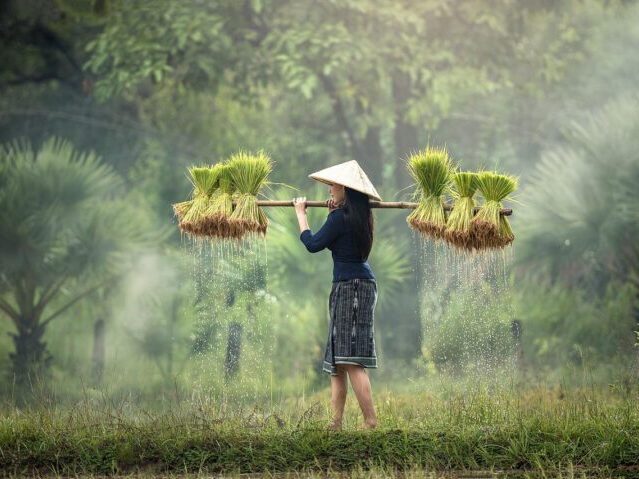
[249, 172]
[458, 228]
[431, 169]
[191, 213]
[490, 229]
[220, 206]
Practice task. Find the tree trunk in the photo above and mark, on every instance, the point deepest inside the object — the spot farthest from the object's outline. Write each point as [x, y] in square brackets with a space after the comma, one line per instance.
[515, 329]
[175, 308]
[97, 358]
[233, 351]
[30, 359]
[405, 134]
[371, 155]
[367, 151]
[636, 316]
[233, 343]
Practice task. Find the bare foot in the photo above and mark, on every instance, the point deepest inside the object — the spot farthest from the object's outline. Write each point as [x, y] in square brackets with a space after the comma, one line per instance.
[370, 424]
[334, 426]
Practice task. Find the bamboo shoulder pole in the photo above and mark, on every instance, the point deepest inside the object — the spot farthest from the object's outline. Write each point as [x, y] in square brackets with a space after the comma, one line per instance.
[374, 204]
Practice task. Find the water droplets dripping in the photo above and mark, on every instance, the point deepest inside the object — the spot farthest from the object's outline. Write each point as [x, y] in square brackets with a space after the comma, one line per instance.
[466, 310]
[232, 339]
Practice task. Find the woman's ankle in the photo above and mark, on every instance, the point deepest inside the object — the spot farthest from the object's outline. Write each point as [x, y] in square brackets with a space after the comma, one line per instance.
[335, 424]
[370, 423]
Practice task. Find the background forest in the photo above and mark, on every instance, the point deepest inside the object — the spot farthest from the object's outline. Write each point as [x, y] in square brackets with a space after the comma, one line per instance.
[104, 103]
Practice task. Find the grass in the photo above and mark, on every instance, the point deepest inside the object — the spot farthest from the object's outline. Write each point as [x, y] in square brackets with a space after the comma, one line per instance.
[536, 430]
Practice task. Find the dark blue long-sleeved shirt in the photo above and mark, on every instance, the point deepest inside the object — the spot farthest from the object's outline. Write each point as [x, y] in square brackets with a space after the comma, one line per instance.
[336, 235]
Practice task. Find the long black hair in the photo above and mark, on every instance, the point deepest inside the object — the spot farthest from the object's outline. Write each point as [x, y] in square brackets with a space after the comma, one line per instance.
[358, 214]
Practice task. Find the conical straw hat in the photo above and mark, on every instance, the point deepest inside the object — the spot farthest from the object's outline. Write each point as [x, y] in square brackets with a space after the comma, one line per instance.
[348, 174]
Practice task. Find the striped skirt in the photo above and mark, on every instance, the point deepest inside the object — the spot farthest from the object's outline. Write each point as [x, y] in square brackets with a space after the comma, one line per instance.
[351, 330]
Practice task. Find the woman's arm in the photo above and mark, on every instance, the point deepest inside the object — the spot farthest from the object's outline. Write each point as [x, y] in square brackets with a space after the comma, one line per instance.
[300, 211]
[326, 234]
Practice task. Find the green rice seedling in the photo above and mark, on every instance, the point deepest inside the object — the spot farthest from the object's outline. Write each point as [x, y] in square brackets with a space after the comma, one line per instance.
[181, 208]
[209, 221]
[203, 180]
[220, 207]
[249, 172]
[431, 169]
[490, 228]
[458, 228]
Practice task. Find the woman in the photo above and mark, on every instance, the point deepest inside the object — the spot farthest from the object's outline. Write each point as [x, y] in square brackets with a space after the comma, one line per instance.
[348, 233]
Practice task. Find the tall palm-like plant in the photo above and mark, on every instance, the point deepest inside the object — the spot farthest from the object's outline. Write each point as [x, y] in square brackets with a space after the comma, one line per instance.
[580, 208]
[65, 232]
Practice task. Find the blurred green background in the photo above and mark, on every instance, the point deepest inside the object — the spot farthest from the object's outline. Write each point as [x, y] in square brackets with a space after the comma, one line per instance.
[105, 103]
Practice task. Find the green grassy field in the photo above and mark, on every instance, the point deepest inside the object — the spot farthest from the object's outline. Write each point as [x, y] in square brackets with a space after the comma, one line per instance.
[537, 433]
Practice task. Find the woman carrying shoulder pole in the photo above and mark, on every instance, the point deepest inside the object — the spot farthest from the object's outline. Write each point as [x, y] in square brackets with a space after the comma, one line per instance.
[348, 234]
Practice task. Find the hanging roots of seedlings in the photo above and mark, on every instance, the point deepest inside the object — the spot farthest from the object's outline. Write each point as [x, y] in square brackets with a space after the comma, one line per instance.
[220, 205]
[191, 213]
[431, 169]
[459, 228]
[249, 172]
[247, 216]
[490, 228]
